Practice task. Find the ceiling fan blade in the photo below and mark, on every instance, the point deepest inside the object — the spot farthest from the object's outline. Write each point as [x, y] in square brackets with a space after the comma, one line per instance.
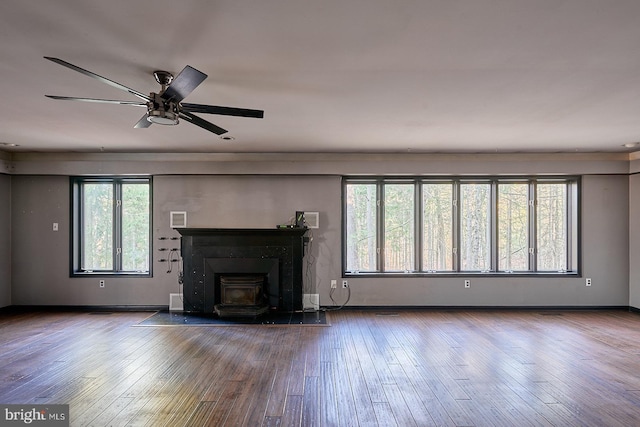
[226, 111]
[143, 123]
[191, 118]
[102, 101]
[98, 77]
[181, 86]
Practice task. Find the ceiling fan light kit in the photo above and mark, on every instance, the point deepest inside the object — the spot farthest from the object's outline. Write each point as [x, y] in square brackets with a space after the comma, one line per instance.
[160, 112]
[161, 117]
[164, 107]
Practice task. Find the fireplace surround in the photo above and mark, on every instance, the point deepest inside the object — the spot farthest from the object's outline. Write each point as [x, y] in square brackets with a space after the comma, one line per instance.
[210, 254]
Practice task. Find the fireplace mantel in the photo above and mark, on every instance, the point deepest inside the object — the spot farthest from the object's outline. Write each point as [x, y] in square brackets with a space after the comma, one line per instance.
[209, 252]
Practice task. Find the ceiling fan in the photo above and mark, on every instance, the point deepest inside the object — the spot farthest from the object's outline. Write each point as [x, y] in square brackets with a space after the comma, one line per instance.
[166, 106]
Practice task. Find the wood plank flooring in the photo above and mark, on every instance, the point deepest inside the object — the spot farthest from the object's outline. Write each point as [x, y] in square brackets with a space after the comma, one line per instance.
[369, 368]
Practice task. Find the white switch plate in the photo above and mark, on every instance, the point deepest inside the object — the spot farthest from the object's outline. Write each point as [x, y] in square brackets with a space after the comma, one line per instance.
[55, 226]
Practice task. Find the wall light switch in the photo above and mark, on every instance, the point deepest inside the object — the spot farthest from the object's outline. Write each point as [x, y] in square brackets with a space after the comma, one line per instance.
[55, 226]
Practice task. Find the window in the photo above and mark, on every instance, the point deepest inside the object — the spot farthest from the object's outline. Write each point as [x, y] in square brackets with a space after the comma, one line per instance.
[513, 226]
[111, 223]
[551, 225]
[523, 225]
[362, 233]
[399, 228]
[437, 226]
[475, 227]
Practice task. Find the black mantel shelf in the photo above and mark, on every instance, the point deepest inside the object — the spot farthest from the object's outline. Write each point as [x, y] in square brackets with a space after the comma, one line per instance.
[209, 252]
[241, 231]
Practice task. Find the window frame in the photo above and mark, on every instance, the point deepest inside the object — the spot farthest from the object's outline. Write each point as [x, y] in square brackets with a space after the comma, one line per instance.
[573, 227]
[76, 226]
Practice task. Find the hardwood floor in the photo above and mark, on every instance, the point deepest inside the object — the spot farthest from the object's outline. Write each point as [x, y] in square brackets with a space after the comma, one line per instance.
[369, 368]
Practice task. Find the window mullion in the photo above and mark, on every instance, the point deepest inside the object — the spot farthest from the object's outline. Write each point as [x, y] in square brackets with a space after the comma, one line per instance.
[533, 217]
[117, 221]
[380, 224]
[569, 222]
[418, 225]
[79, 228]
[456, 225]
[493, 226]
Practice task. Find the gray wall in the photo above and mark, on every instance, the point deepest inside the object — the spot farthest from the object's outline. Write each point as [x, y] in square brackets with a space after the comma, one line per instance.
[634, 235]
[40, 256]
[604, 259]
[5, 240]
[40, 268]
[254, 202]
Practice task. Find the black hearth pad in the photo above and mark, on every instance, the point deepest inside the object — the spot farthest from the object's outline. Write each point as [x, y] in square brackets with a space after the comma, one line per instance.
[179, 318]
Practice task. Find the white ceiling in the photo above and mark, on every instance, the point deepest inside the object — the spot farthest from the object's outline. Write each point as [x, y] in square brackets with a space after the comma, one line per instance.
[331, 75]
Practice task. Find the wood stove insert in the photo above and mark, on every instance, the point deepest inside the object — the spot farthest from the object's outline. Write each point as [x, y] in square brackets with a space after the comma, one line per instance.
[242, 295]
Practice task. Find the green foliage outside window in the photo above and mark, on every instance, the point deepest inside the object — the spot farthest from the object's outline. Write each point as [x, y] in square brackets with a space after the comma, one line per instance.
[135, 227]
[399, 227]
[361, 227]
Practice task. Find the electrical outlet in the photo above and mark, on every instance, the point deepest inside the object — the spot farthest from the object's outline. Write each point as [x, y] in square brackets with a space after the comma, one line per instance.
[345, 284]
[588, 281]
[467, 283]
[334, 284]
[102, 283]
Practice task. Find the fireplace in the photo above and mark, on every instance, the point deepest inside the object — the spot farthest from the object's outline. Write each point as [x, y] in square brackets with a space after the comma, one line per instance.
[267, 258]
[241, 291]
[242, 295]
[216, 269]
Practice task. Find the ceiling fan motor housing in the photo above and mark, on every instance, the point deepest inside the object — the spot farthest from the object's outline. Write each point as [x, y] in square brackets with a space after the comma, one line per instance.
[161, 112]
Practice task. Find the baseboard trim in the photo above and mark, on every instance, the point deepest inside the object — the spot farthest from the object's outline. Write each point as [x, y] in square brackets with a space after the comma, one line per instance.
[482, 308]
[82, 308]
[147, 308]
